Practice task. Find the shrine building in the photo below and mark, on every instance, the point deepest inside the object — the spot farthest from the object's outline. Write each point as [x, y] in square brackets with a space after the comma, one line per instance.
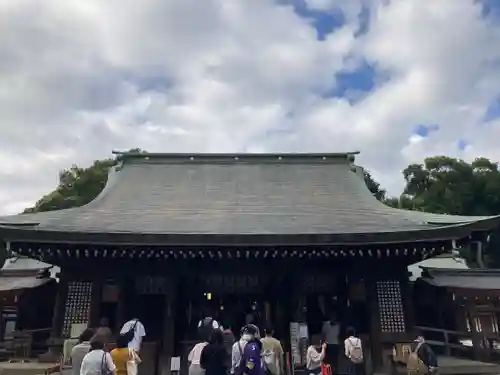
[285, 237]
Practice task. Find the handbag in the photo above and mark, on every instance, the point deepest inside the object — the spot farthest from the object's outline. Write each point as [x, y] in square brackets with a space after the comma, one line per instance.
[326, 369]
[104, 365]
[131, 363]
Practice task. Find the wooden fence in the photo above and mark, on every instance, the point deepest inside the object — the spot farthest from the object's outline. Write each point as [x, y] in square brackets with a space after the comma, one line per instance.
[472, 345]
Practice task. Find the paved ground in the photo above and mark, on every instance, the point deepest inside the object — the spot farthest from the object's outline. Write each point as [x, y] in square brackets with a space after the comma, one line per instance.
[32, 368]
[457, 366]
[448, 366]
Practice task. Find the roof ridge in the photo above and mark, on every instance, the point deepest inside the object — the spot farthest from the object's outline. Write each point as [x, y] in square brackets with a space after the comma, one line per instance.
[233, 155]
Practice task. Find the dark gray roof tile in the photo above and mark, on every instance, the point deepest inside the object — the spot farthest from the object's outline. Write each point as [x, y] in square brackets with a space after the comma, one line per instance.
[308, 194]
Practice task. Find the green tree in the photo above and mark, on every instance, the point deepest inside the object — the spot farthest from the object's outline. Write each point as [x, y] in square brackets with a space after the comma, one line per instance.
[374, 186]
[77, 186]
[452, 186]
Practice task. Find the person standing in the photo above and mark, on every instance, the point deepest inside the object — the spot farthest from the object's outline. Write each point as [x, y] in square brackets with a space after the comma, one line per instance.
[251, 361]
[207, 324]
[272, 352]
[353, 350]
[237, 354]
[104, 332]
[80, 350]
[123, 354]
[229, 338]
[213, 358]
[314, 358]
[134, 332]
[194, 358]
[422, 359]
[331, 333]
[97, 361]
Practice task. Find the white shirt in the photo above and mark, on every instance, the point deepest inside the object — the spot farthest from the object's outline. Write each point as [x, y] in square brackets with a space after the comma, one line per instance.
[331, 332]
[350, 343]
[95, 362]
[313, 358]
[236, 352]
[195, 353]
[139, 333]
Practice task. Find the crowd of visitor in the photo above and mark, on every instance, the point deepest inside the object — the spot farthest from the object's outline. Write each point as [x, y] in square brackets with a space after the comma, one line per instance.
[91, 356]
[219, 353]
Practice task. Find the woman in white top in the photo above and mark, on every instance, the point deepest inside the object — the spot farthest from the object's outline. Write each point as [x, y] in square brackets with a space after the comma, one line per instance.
[97, 361]
[315, 358]
[194, 359]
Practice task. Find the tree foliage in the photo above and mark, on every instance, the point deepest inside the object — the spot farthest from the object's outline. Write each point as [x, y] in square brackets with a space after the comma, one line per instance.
[77, 186]
[452, 186]
[374, 187]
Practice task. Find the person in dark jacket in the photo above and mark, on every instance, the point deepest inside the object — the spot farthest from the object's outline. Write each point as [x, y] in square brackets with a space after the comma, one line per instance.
[214, 358]
[229, 339]
[425, 353]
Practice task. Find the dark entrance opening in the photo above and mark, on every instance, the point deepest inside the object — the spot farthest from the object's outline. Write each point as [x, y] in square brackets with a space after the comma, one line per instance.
[150, 311]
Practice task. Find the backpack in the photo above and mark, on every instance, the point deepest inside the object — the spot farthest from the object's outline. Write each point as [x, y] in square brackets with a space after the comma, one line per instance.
[129, 335]
[270, 361]
[414, 364]
[205, 328]
[356, 351]
[207, 323]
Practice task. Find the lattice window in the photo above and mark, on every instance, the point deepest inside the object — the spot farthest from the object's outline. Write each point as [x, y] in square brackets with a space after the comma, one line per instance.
[390, 303]
[77, 305]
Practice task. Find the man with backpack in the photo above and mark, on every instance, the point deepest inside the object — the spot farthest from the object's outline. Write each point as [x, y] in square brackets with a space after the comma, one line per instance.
[272, 353]
[206, 326]
[353, 350]
[422, 360]
[135, 332]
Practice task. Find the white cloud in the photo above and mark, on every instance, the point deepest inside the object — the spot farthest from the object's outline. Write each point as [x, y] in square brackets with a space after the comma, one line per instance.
[78, 79]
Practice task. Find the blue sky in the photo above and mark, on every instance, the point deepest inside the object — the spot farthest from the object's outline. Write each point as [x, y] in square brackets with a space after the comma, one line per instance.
[254, 76]
[361, 79]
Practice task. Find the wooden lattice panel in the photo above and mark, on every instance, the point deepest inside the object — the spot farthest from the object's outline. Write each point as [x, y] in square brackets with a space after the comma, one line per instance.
[390, 304]
[77, 305]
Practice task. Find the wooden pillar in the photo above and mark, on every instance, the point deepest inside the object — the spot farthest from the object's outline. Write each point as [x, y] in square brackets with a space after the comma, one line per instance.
[120, 311]
[55, 342]
[169, 316]
[95, 303]
[407, 299]
[59, 307]
[375, 329]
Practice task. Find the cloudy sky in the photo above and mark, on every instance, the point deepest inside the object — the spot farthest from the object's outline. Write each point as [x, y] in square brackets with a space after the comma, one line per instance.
[397, 80]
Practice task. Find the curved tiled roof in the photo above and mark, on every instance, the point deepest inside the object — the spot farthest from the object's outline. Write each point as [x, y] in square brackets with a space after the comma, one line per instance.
[238, 195]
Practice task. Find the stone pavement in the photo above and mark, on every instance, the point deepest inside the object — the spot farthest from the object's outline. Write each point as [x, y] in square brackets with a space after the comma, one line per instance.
[458, 366]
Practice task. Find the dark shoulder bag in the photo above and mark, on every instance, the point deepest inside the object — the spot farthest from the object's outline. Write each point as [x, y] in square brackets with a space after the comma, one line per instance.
[129, 335]
[104, 365]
